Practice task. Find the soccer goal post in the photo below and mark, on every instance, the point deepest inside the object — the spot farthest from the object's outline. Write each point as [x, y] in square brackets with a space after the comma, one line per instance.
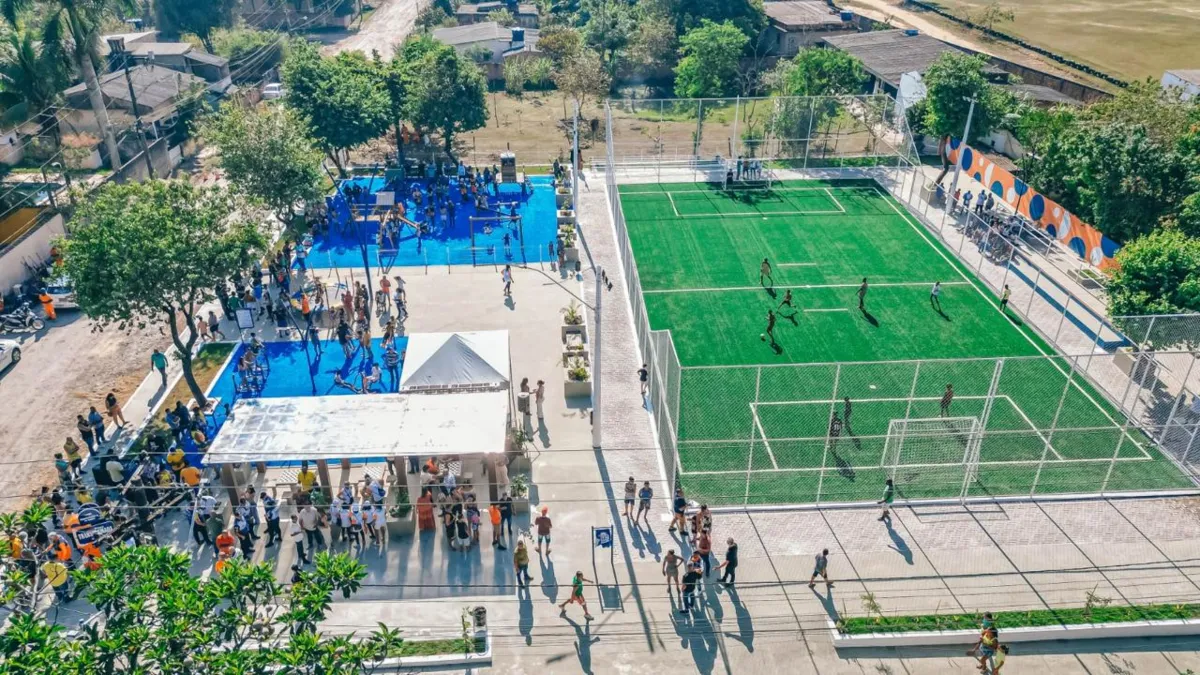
[913, 444]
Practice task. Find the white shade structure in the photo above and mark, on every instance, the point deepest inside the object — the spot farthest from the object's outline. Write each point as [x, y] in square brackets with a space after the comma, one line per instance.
[475, 361]
[366, 426]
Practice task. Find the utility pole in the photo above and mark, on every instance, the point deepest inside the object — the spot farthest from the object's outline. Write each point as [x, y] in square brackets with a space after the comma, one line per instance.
[137, 115]
[962, 148]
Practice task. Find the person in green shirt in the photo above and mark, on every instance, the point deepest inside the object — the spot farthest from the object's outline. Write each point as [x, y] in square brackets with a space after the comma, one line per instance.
[889, 496]
[521, 564]
[577, 595]
[158, 361]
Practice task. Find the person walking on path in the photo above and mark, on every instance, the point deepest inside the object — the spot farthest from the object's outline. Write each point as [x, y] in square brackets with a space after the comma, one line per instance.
[644, 496]
[690, 580]
[821, 568]
[630, 494]
[543, 525]
[889, 496]
[271, 507]
[310, 520]
[114, 409]
[862, 294]
[539, 398]
[670, 570]
[85, 432]
[200, 527]
[704, 548]
[729, 576]
[296, 532]
[521, 565]
[74, 458]
[96, 420]
[506, 511]
[214, 325]
[158, 361]
[679, 517]
[644, 378]
[507, 278]
[577, 595]
[494, 515]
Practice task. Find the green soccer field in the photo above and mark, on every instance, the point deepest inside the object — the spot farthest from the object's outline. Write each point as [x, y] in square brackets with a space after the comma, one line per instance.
[751, 434]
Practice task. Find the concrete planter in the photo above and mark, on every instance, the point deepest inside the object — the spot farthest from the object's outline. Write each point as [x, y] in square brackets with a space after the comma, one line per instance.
[438, 662]
[578, 329]
[571, 253]
[573, 388]
[562, 197]
[402, 527]
[566, 217]
[1086, 278]
[569, 354]
[1087, 631]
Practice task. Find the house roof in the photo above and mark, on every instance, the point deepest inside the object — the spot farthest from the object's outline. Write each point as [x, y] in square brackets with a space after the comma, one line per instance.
[206, 58]
[488, 7]
[160, 48]
[1040, 94]
[487, 31]
[800, 14]
[888, 54]
[1189, 76]
[154, 86]
[130, 39]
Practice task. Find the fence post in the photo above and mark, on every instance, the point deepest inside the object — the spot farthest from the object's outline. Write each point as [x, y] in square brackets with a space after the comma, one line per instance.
[1037, 476]
[1150, 331]
[1036, 280]
[1124, 432]
[837, 375]
[733, 142]
[1012, 253]
[1062, 318]
[988, 402]
[1162, 434]
[812, 110]
[753, 425]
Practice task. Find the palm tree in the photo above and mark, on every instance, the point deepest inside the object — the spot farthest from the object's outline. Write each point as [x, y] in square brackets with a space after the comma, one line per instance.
[33, 74]
[73, 27]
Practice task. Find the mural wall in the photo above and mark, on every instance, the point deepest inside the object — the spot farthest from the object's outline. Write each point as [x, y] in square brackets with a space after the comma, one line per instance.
[1086, 241]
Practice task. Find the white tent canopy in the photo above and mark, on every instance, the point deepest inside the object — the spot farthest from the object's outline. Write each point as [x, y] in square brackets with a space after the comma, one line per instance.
[371, 425]
[448, 361]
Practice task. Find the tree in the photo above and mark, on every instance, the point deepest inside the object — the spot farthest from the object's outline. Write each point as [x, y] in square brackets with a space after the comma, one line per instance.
[654, 44]
[432, 16]
[991, 15]
[709, 62]
[747, 15]
[502, 16]
[583, 77]
[950, 82]
[32, 73]
[607, 30]
[267, 155]
[560, 43]
[199, 18]
[819, 72]
[159, 618]
[250, 52]
[448, 95]
[1156, 274]
[151, 253]
[73, 27]
[339, 96]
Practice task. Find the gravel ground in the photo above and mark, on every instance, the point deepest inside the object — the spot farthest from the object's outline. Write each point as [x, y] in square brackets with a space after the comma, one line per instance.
[62, 371]
[387, 26]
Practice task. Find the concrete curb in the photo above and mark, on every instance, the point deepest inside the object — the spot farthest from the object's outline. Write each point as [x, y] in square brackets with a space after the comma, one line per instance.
[1090, 631]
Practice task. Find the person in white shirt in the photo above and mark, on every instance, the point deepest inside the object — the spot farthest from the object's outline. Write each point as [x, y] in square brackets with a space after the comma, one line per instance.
[376, 491]
[296, 532]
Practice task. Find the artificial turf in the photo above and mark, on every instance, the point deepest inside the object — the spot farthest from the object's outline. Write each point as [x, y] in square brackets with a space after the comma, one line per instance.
[699, 248]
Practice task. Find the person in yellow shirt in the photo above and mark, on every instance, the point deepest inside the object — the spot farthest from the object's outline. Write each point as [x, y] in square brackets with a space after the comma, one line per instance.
[58, 578]
[306, 478]
[175, 459]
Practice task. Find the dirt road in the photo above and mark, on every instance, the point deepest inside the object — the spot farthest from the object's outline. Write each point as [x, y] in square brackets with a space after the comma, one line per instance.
[62, 371]
[387, 26]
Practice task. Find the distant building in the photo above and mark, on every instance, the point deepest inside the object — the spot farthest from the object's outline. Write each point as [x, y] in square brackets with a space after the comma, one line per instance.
[503, 43]
[145, 49]
[157, 89]
[796, 24]
[297, 14]
[526, 14]
[887, 54]
[1186, 80]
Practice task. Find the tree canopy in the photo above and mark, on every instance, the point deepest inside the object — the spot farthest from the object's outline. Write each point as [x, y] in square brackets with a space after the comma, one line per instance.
[152, 253]
[560, 43]
[198, 18]
[445, 91]
[819, 72]
[709, 62]
[267, 154]
[338, 96]
[250, 52]
[950, 82]
[582, 77]
[1157, 274]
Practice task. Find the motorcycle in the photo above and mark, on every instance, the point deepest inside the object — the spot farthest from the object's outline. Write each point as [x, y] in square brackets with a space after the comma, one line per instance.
[21, 320]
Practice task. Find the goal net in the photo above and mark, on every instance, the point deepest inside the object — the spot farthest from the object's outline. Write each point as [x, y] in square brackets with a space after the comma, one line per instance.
[930, 443]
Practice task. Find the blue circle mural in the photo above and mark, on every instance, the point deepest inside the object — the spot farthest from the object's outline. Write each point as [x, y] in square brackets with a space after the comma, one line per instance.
[954, 143]
[1109, 247]
[1052, 230]
[997, 188]
[1019, 186]
[967, 159]
[1078, 247]
[1037, 207]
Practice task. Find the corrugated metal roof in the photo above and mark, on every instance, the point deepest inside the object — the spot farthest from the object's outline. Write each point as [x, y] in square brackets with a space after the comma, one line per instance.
[206, 58]
[796, 14]
[1037, 92]
[1191, 76]
[160, 48]
[476, 32]
[154, 86]
[888, 54]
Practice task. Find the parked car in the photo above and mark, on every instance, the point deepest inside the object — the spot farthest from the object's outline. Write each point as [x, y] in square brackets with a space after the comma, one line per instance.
[273, 91]
[62, 293]
[10, 353]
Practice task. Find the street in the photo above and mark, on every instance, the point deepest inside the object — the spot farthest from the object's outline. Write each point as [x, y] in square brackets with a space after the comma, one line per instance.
[387, 26]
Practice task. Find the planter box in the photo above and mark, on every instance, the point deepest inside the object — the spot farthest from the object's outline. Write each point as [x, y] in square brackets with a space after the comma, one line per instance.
[566, 217]
[575, 339]
[1086, 278]
[578, 353]
[580, 330]
[562, 197]
[571, 253]
[573, 388]
[521, 505]
[1086, 631]
[401, 527]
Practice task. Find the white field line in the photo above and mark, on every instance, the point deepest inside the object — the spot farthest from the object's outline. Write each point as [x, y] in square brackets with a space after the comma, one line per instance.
[835, 201]
[919, 229]
[766, 443]
[673, 207]
[807, 264]
[799, 286]
[840, 309]
[814, 469]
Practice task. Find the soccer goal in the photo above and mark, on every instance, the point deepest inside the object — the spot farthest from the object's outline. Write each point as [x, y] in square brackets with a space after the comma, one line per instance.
[930, 443]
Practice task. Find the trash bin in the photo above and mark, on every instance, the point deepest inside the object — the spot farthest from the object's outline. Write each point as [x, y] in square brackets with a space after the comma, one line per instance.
[479, 615]
[523, 403]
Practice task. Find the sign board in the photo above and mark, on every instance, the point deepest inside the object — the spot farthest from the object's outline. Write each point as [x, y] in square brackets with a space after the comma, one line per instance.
[245, 318]
[92, 525]
[385, 198]
[603, 536]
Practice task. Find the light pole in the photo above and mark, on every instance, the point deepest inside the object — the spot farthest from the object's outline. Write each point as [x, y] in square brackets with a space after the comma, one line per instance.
[962, 146]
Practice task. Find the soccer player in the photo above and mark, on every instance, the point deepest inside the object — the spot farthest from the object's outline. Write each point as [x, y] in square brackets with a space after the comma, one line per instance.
[764, 272]
[889, 496]
[835, 430]
[846, 410]
[1004, 295]
[935, 296]
[771, 325]
[946, 399]
[862, 294]
[787, 300]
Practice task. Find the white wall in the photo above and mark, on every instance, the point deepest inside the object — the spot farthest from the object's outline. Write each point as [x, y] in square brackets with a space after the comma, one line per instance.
[1190, 89]
[34, 249]
[12, 151]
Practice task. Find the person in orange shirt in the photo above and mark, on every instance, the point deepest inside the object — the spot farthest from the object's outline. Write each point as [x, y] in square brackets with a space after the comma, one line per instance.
[221, 561]
[494, 512]
[225, 543]
[190, 475]
[47, 304]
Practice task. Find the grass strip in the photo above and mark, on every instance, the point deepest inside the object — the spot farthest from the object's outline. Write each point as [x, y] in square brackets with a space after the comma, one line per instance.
[205, 366]
[1068, 616]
